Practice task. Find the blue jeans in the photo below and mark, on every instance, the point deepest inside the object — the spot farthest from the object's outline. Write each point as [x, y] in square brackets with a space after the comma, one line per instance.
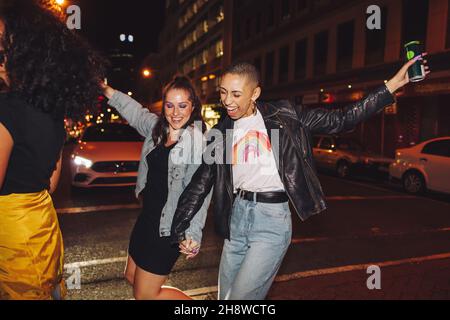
[260, 236]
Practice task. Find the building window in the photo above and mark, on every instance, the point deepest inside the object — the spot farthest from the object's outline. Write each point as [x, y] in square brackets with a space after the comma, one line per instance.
[283, 75]
[270, 59]
[414, 22]
[237, 32]
[448, 27]
[285, 9]
[271, 15]
[320, 4]
[302, 5]
[258, 63]
[345, 38]
[258, 23]
[300, 58]
[248, 29]
[219, 48]
[320, 53]
[376, 41]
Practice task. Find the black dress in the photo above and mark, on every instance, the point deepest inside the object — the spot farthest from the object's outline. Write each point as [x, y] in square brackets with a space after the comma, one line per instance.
[149, 251]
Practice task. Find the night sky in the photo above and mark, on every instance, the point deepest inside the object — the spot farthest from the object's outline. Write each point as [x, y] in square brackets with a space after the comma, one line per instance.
[104, 20]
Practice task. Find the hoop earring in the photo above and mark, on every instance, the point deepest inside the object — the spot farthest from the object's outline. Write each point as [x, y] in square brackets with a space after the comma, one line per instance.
[255, 108]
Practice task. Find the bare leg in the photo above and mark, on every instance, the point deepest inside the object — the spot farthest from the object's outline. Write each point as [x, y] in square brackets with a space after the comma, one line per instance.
[130, 270]
[149, 286]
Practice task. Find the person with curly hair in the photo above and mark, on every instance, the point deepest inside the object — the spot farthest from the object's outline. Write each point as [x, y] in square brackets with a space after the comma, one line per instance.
[48, 73]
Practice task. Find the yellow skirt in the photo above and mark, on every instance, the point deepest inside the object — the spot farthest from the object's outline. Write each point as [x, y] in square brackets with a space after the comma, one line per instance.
[31, 248]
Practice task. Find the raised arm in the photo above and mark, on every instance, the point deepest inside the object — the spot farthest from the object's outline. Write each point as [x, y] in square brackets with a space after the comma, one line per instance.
[324, 121]
[6, 147]
[137, 116]
[347, 118]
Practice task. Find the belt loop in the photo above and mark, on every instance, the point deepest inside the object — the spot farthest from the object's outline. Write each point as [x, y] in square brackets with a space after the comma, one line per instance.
[255, 197]
[240, 192]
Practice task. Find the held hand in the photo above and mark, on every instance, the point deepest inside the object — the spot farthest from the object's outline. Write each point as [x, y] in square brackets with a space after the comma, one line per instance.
[190, 248]
[107, 90]
[402, 78]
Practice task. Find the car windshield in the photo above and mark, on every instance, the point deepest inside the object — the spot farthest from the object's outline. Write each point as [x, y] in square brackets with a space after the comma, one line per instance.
[111, 133]
[349, 144]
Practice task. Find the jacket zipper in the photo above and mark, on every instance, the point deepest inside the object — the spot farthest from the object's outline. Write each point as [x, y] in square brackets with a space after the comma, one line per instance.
[287, 192]
[311, 171]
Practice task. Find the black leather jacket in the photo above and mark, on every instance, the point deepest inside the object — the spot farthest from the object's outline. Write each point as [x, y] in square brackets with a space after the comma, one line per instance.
[295, 160]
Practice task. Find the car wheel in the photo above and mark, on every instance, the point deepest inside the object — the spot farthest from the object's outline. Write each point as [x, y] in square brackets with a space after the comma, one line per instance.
[343, 169]
[414, 183]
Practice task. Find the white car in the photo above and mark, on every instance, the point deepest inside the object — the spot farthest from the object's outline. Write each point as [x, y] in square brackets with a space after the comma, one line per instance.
[425, 166]
[107, 155]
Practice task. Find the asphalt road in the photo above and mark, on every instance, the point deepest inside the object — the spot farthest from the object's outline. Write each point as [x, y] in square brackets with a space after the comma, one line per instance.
[368, 222]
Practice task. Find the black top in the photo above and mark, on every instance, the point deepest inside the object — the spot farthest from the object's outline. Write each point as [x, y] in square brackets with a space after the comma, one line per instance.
[156, 189]
[38, 141]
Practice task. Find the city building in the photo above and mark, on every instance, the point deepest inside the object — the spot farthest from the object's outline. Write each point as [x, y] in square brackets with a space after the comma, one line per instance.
[122, 70]
[192, 43]
[322, 53]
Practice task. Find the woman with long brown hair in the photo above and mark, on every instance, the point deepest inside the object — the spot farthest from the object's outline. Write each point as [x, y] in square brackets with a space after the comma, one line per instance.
[171, 154]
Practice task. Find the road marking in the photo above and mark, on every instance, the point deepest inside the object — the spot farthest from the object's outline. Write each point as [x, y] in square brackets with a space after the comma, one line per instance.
[328, 271]
[391, 263]
[98, 262]
[137, 206]
[98, 208]
[92, 263]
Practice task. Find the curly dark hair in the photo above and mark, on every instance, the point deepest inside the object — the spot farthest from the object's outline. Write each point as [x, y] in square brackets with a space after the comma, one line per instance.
[161, 130]
[48, 65]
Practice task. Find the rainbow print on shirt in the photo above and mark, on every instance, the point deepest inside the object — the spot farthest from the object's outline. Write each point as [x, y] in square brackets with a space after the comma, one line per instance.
[251, 147]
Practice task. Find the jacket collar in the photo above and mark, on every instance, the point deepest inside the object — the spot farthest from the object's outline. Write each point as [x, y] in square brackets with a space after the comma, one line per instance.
[267, 109]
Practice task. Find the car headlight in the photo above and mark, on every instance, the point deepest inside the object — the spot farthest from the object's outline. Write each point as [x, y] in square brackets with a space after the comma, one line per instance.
[80, 161]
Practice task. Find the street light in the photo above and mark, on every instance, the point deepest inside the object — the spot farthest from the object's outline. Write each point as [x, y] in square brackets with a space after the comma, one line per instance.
[146, 73]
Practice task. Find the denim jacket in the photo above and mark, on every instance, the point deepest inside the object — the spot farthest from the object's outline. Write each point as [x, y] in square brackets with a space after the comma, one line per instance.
[184, 160]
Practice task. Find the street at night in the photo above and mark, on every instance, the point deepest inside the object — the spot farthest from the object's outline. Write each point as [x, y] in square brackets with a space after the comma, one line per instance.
[369, 222]
[225, 151]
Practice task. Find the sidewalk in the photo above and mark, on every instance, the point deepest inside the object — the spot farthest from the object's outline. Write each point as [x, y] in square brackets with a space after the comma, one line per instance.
[427, 280]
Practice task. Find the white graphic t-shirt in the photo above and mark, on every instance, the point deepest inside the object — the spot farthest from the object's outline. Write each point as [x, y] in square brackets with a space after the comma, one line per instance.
[254, 165]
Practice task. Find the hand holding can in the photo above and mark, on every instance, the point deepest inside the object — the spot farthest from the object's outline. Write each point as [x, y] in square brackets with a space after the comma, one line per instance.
[417, 71]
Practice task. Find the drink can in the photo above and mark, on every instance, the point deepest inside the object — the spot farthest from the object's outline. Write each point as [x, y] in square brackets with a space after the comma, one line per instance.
[417, 71]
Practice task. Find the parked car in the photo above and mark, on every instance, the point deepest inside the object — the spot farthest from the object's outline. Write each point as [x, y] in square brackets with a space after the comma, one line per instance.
[106, 155]
[345, 156]
[424, 166]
